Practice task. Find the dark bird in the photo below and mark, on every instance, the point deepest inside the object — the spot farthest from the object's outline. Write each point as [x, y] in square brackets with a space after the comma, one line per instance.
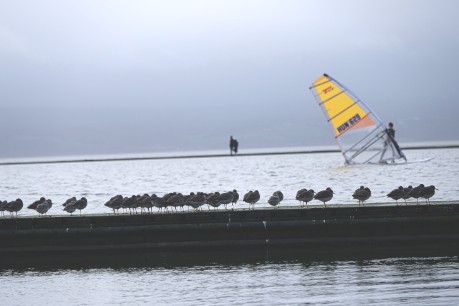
[304, 196]
[43, 208]
[414, 193]
[299, 192]
[177, 200]
[274, 200]
[136, 203]
[14, 206]
[324, 195]
[246, 196]
[2, 207]
[427, 193]
[362, 194]
[188, 199]
[252, 198]
[158, 202]
[168, 195]
[225, 198]
[197, 200]
[114, 203]
[213, 199]
[279, 194]
[235, 197]
[407, 191]
[71, 200]
[129, 203]
[70, 208]
[81, 204]
[36, 203]
[397, 194]
[166, 198]
[145, 203]
[49, 202]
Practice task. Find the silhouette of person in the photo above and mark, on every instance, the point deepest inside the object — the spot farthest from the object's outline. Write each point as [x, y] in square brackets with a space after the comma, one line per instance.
[390, 130]
[236, 144]
[231, 144]
[391, 139]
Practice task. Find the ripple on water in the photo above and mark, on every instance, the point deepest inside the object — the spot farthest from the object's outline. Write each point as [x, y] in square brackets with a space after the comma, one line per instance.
[382, 282]
[99, 181]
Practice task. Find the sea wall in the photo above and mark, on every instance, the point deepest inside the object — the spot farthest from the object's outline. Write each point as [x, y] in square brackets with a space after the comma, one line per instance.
[331, 228]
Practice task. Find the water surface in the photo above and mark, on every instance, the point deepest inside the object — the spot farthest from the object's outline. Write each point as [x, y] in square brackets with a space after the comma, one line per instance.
[254, 278]
[99, 181]
[257, 277]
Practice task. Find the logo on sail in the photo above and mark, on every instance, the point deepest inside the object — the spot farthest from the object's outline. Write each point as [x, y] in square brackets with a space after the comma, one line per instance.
[327, 90]
[349, 123]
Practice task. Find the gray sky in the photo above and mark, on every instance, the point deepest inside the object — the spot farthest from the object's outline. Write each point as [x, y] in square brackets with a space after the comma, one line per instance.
[107, 77]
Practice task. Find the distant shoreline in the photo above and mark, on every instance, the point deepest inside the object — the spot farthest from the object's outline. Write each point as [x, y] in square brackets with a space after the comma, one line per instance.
[312, 151]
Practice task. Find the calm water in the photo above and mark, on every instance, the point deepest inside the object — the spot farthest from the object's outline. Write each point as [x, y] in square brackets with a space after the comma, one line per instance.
[251, 278]
[98, 181]
[258, 277]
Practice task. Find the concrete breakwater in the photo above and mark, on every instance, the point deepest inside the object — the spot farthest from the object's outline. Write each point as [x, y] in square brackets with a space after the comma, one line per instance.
[332, 228]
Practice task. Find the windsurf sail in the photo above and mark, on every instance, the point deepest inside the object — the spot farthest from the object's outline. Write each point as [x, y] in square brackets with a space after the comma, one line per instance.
[360, 134]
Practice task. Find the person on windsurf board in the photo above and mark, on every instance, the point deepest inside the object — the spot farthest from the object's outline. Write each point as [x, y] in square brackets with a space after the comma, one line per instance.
[391, 138]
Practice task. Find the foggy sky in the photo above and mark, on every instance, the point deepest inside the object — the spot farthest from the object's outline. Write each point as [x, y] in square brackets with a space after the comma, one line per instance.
[108, 77]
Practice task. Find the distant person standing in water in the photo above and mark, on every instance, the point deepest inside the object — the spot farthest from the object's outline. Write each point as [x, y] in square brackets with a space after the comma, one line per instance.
[231, 145]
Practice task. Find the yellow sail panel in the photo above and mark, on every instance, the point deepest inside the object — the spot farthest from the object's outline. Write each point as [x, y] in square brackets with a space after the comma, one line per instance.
[345, 114]
[325, 88]
[342, 111]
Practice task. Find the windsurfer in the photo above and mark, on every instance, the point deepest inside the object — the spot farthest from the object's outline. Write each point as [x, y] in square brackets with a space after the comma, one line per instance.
[391, 139]
[362, 137]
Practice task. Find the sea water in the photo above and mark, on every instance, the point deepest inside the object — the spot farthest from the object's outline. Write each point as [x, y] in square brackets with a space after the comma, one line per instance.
[260, 277]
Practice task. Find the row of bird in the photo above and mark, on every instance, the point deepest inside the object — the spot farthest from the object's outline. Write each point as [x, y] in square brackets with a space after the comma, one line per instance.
[42, 205]
[195, 201]
[174, 200]
[417, 192]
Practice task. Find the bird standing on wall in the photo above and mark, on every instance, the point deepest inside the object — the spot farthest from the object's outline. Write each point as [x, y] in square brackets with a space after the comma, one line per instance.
[305, 196]
[397, 194]
[14, 206]
[362, 194]
[81, 204]
[324, 195]
[427, 193]
[414, 193]
[235, 198]
[251, 198]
